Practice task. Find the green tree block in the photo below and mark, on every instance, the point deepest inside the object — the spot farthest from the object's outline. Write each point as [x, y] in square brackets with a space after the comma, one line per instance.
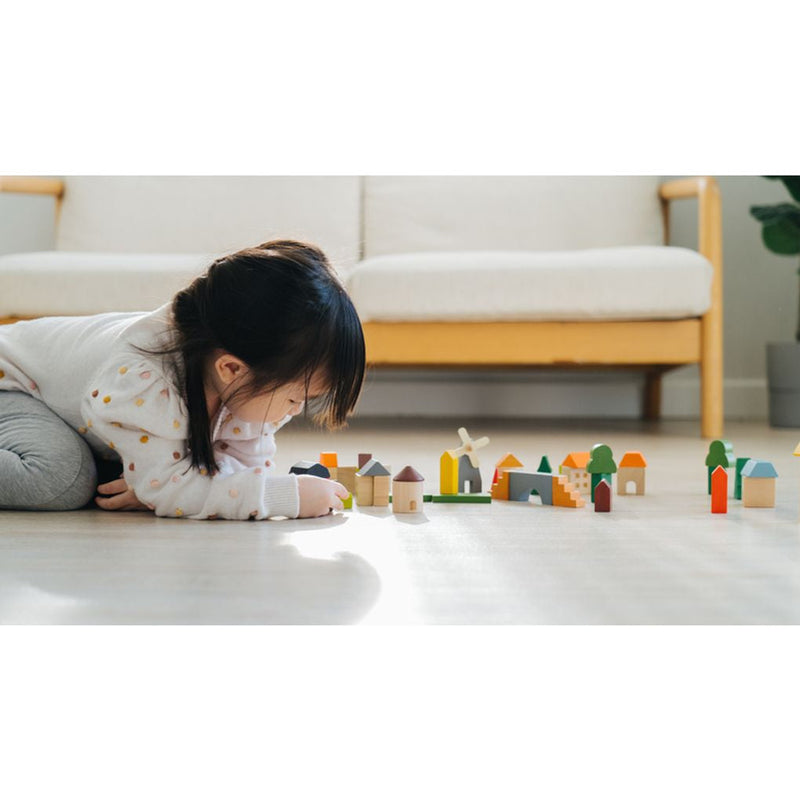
[737, 486]
[544, 465]
[601, 465]
[720, 454]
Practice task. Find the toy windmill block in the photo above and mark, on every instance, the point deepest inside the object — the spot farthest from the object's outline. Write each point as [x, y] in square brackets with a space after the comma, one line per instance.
[719, 491]
[310, 468]
[331, 461]
[601, 466]
[574, 467]
[602, 496]
[467, 474]
[468, 462]
[720, 454]
[737, 485]
[758, 484]
[372, 484]
[631, 468]
[407, 491]
[448, 473]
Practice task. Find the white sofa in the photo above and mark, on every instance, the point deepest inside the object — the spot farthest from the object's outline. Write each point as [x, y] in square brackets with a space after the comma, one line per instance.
[445, 271]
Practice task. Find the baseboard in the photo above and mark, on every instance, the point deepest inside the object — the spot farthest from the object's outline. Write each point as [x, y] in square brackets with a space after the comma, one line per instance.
[618, 395]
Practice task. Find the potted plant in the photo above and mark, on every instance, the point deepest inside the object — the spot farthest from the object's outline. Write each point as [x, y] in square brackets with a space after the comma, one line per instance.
[780, 233]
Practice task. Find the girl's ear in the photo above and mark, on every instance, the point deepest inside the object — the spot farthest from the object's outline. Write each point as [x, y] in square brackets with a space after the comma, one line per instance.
[228, 368]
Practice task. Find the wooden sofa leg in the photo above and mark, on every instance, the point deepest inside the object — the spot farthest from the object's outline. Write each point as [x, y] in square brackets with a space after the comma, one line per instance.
[651, 405]
[711, 407]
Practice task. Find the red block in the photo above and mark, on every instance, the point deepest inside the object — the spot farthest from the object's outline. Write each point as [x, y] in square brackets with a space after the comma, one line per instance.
[719, 491]
[602, 496]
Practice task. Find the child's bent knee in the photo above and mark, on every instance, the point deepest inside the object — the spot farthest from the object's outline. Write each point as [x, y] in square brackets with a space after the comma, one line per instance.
[74, 483]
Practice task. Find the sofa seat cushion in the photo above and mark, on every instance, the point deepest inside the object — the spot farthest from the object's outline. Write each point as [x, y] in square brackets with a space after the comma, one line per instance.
[66, 283]
[619, 283]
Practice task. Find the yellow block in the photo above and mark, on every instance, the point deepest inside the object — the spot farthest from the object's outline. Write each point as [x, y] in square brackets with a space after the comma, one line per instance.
[448, 473]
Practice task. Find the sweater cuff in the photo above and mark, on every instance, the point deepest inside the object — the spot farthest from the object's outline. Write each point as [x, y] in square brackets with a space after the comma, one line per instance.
[282, 497]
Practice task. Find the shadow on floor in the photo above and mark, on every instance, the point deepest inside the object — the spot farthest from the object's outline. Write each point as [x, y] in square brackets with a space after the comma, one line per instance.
[195, 577]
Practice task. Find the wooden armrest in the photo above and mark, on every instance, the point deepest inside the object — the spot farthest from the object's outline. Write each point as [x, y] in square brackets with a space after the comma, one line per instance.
[709, 216]
[684, 187]
[24, 185]
[35, 185]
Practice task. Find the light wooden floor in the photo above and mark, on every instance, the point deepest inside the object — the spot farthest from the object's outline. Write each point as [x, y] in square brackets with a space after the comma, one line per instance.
[661, 558]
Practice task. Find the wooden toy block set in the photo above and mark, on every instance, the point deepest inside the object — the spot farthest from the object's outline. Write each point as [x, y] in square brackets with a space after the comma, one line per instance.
[754, 478]
[581, 476]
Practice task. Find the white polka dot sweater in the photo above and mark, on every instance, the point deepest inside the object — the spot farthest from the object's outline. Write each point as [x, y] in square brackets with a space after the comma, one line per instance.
[127, 407]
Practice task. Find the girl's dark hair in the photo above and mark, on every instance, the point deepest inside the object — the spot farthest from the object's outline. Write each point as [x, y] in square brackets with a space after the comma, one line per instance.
[281, 309]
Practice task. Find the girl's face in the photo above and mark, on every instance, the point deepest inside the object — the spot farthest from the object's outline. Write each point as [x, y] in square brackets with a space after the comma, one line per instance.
[273, 406]
[229, 374]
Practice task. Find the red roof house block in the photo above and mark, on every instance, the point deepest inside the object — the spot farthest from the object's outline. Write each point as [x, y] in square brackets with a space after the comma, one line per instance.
[407, 491]
[602, 496]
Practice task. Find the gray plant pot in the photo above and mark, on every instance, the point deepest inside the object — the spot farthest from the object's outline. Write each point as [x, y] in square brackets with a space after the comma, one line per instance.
[783, 381]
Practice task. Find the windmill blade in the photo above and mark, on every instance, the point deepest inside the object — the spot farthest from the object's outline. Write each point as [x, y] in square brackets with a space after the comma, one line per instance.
[462, 432]
[482, 442]
[473, 459]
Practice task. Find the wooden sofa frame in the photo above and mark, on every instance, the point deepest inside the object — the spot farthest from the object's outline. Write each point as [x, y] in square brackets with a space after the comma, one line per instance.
[652, 346]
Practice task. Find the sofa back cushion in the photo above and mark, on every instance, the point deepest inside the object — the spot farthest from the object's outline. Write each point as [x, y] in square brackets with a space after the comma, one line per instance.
[205, 214]
[405, 214]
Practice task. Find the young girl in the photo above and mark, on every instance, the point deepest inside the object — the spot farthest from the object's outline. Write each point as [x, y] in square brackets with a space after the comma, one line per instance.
[184, 400]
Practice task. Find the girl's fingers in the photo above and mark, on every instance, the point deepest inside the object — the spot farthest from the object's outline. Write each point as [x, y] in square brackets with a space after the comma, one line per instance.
[126, 501]
[113, 487]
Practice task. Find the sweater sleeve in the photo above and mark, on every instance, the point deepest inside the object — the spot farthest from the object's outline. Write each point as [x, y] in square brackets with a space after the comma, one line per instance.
[132, 408]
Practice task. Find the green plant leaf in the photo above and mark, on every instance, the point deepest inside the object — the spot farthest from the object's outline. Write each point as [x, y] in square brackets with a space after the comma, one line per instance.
[791, 182]
[782, 237]
[772, 214]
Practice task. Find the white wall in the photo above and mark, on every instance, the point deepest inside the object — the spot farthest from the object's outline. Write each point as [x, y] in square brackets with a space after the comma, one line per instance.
[26, 223]
[760, 295]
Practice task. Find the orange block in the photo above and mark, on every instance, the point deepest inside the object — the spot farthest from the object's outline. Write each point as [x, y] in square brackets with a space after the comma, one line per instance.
[329, 459]
[499, 489]
[719, 491]
[565, 494]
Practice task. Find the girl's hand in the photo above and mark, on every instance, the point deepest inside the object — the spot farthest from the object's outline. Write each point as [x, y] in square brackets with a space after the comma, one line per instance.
[123, 498]
[319, 496]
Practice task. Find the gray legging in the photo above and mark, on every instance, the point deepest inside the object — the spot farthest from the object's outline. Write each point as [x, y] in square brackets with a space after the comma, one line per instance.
[45, 465]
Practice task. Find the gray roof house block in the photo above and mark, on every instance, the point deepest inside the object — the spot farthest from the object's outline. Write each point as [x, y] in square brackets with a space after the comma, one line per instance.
[373, 469]
[756, 468]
